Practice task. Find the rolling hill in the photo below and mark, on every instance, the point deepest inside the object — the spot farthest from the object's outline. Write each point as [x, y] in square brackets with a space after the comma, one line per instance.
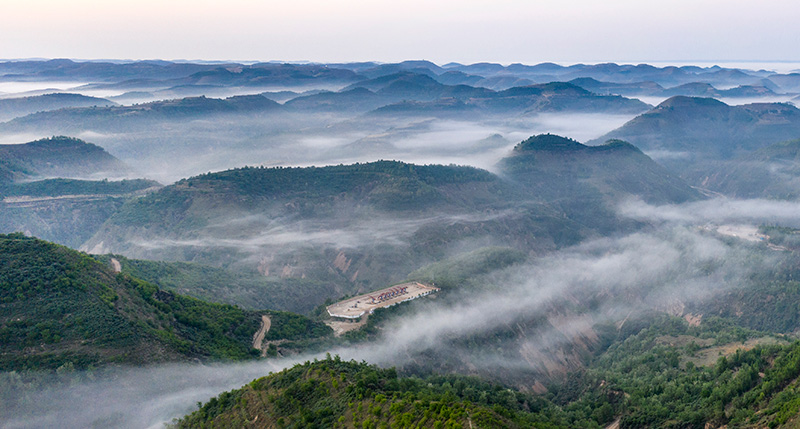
[56, 157]
[358, 227]
[558, 168]
[587, 182]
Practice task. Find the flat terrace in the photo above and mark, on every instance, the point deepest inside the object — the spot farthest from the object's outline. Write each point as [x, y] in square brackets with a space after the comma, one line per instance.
[354, 308]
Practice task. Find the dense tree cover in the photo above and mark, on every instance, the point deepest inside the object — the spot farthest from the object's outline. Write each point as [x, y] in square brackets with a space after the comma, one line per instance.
[390, 184]
[642, 382]
[59, 306]
[556, 166]
[651, 379]
[335, 393]
[783, 236]
[290, 326]
[313, 193]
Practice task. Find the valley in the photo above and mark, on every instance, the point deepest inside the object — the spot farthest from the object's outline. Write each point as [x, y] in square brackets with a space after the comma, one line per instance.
[402, 244]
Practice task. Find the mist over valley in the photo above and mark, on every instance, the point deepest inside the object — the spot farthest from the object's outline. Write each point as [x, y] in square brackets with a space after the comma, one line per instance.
[606, 245]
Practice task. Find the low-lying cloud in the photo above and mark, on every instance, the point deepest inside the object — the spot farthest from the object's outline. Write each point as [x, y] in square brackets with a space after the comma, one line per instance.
[717, 210]
[268, 232]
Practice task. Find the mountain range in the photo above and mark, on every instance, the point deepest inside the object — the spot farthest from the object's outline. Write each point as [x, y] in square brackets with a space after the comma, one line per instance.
[640, 274]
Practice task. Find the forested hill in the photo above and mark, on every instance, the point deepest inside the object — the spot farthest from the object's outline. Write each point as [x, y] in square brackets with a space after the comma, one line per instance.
[308, 193]
[337, 230]
[339, 394]
[56, 157]
[59, 306]
[559, 168]
[631, 387]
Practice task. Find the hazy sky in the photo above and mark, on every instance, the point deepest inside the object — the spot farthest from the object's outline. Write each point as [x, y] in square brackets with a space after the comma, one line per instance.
[467, 31]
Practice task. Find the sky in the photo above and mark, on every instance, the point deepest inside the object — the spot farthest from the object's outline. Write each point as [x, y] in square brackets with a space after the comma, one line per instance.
[466, 31]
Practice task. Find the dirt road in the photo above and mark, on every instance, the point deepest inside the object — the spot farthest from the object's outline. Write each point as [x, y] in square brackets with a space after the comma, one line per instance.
[258, 339]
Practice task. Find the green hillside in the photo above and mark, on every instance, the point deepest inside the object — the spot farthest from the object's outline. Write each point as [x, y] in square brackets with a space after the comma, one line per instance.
[673, 375]
[59, 306]
[333, 393]
[339, 230]
[656, 378]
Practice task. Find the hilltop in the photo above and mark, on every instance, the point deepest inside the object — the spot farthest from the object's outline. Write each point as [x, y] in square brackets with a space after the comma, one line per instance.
[56, 157]
[557, 168]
